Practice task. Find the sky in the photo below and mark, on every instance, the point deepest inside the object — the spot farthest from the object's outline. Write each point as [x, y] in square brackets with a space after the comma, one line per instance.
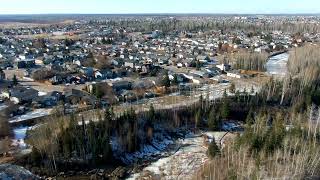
[158, 6]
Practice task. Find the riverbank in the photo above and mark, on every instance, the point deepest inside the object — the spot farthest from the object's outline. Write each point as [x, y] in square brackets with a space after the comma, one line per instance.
[185, 159]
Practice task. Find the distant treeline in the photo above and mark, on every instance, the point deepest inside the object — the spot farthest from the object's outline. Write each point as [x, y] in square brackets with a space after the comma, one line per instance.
[205, 24]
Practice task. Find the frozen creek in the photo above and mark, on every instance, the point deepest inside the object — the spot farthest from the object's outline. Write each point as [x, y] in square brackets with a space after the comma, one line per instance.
[183, 163]
[277, 65]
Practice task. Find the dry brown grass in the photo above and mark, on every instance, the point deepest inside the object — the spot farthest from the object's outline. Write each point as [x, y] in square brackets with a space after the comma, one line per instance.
[287, 163]
[298, 156]
[48, 36]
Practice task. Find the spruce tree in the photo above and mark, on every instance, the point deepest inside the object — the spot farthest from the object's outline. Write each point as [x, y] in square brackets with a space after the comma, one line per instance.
[232, 88]
[198, 118]
[175, 80]
[213, 149]
[151, 114]
[166, 80]
[15, 80]
[214, 121]
[225, 108]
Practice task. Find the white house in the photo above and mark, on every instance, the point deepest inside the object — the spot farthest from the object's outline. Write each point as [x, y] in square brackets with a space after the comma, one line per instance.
[179, 65]
[234, 75]
[22, 57]
[129, 64]
[98, 74]
[223, 67]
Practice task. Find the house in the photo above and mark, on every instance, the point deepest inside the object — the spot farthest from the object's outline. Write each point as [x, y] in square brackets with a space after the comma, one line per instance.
[121, 85]
[22, 95]
[234, 74]
[57, 79]
[180, 78]
[203, 59]
[25, 63]
[128, 96]
[146, 68]
[197, 80]
[163, 60]
[143, 84]
[200, 74]
[224, 67]
[56, 94]
[98, 74]
[75, 97]
[213, 71]
[107, 74]
[179, 65]
[188, 62]
[4, 94]
[129, 64]
[120, 72]
[88, 72]
[46, 101]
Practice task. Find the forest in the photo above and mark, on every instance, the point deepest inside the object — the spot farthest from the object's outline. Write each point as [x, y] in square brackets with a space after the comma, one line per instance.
[73, 142]
[206, 23]
[281, 136]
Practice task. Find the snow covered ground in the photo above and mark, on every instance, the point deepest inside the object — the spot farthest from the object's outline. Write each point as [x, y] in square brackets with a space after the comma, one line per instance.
[42, 93]
[277, 65]
[159, 144]
[183, 163]
[3, 106]
[31, 115]
[20, 132]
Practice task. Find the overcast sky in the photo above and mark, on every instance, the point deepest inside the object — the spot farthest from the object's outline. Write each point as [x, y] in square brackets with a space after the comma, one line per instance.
[157, 6]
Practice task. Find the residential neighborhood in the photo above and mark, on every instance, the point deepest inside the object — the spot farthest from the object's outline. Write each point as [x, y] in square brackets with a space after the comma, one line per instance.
[157, 96]
[130, 64]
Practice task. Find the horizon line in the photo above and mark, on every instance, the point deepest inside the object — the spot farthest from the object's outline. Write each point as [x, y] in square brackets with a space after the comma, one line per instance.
[156, 13]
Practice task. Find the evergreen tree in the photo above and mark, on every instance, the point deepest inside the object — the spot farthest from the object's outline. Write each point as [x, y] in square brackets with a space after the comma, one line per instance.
[198, 118]
[198, 65]
[225, 94]
[214, 121]
[201, 103]
[166, 80]
[213, 149]
[151, 114]
[175, 80]
[104, 41]
[232, 88]
[97, 92]
[225, 109]
[15, 80]
[252, 90]
[5, 128]
[237, 95]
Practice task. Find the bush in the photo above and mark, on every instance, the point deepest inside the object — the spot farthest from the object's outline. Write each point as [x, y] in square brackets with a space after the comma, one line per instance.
[213, 149]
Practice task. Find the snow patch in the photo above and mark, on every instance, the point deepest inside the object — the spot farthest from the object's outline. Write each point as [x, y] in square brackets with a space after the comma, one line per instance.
[31, 115]
[277, 65]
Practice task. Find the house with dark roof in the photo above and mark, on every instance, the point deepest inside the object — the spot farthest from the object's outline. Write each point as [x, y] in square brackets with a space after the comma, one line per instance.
[25, 63]
[121, 85]
[48, 100]
[23, 95]
[74, 96]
